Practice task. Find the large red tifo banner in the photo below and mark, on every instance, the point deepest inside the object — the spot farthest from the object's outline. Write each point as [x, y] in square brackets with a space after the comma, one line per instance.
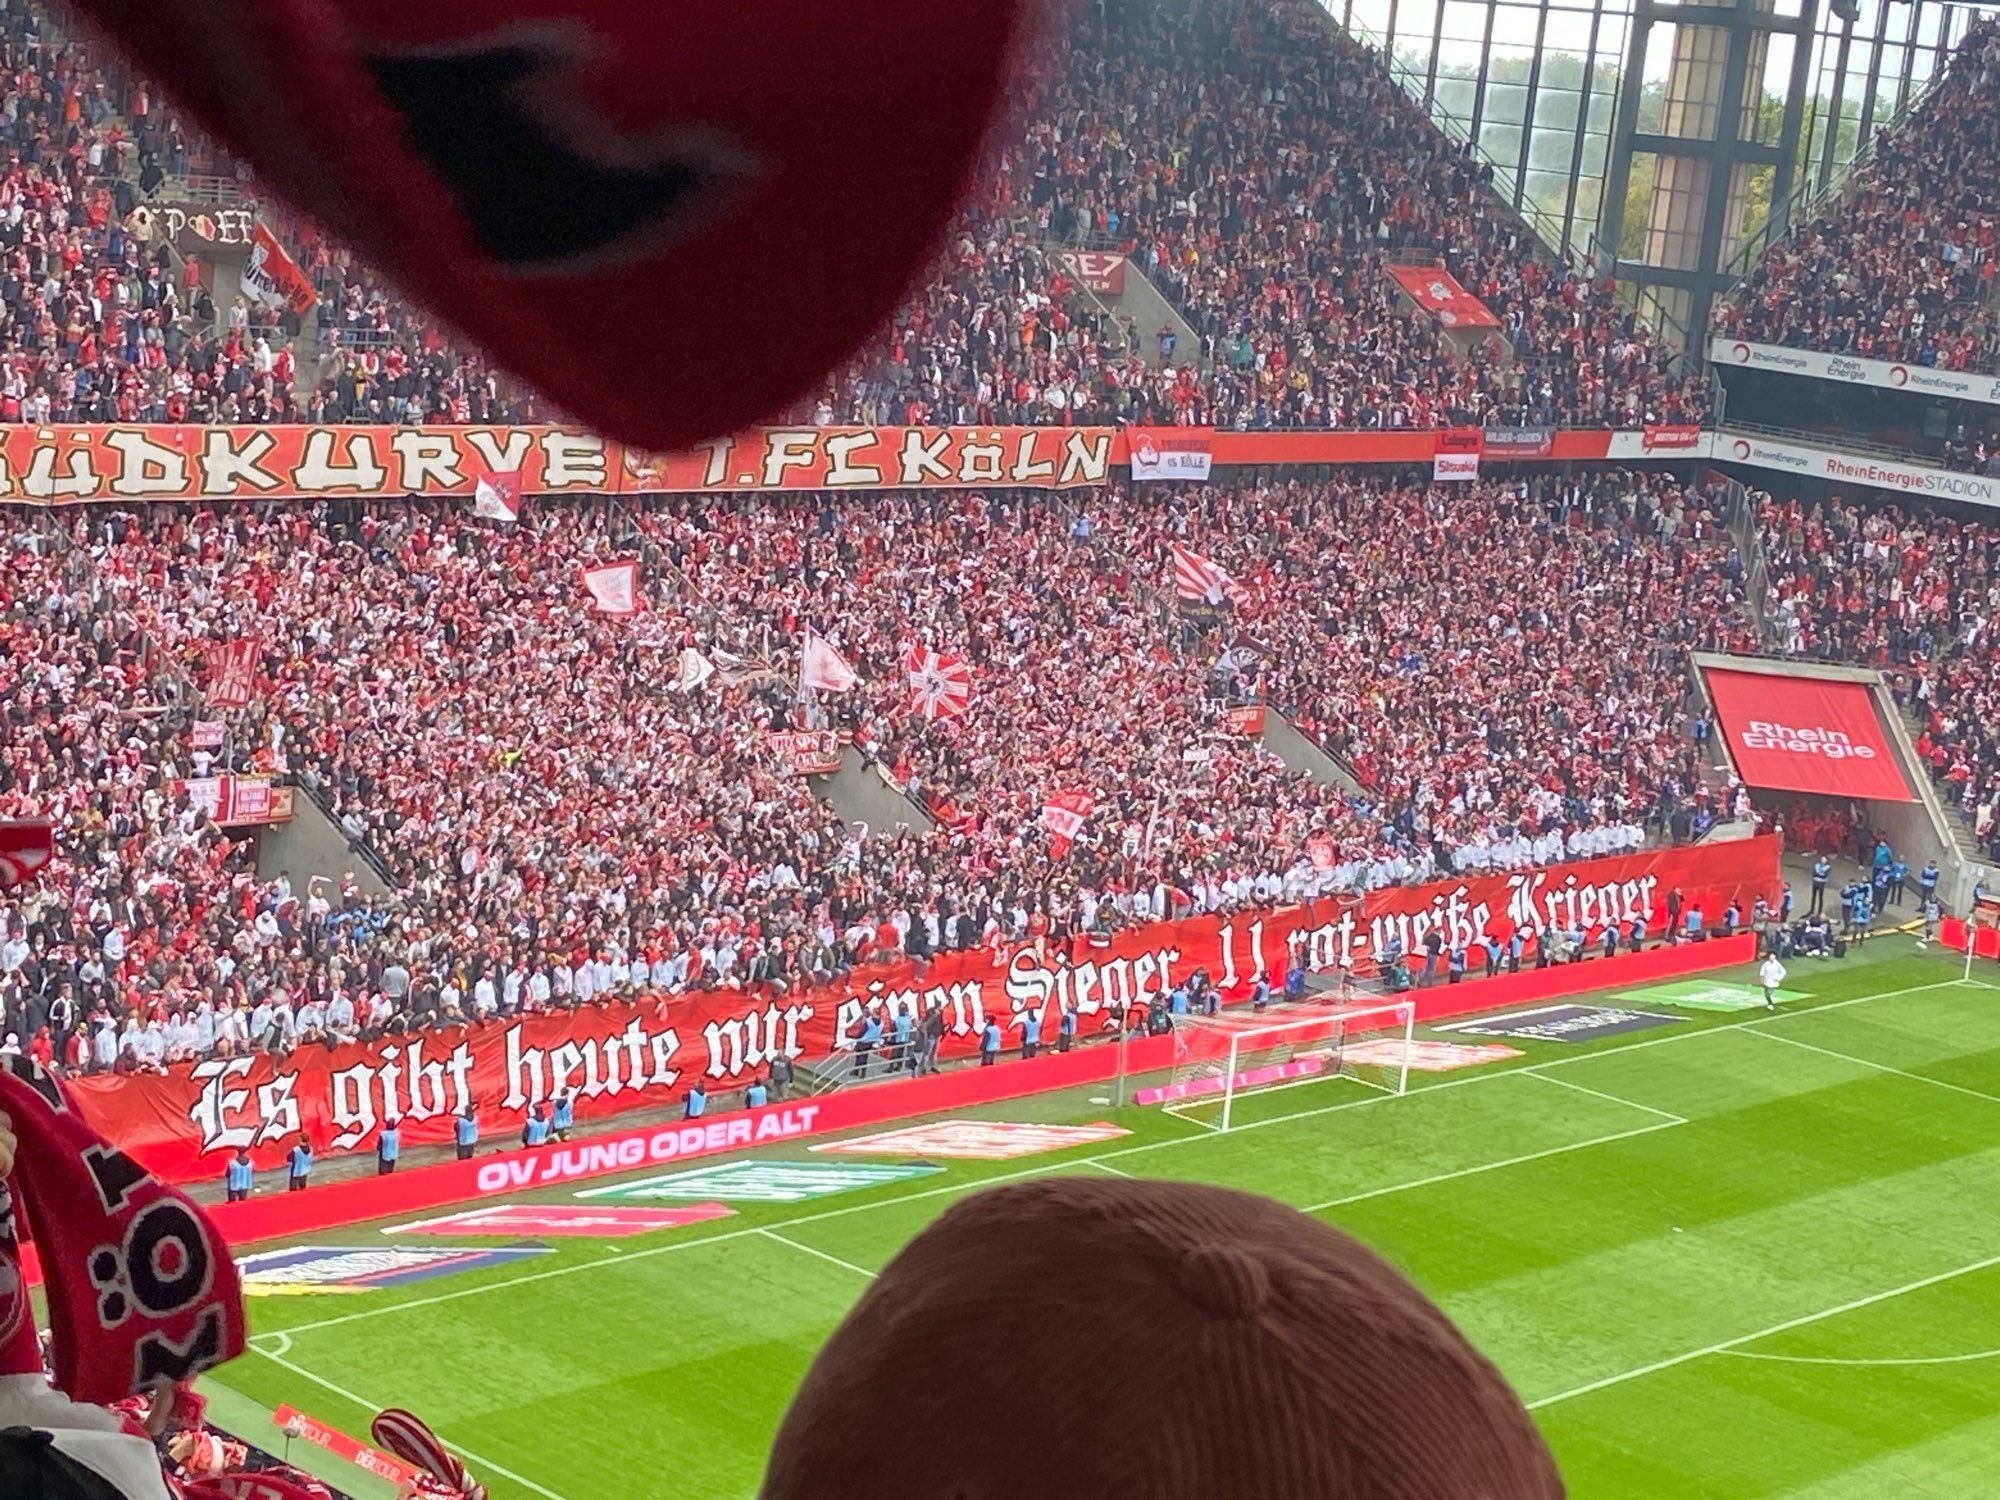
[184, 1123]
[1806, 734]
[1438, 293]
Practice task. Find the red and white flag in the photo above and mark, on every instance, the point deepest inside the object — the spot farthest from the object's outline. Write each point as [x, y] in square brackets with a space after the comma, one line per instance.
[695, 669]
[232, 674]
[1063, 815]
[822, 668]
[1195, 577]
[408, 1437]
[272, 277]
[497, 497]
[24, 849]
[940, 686]
[614, 588]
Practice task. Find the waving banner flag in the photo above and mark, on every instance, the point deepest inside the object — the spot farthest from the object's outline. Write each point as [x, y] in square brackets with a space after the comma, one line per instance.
[497, 497]
[695, 670]
[614, 588]
[1063, 815]
[732, 670]
[24, 849]
[232, 674]
[822, 668]
[273, 277]
[408, 1438]
[940, 686]
[1195, 577]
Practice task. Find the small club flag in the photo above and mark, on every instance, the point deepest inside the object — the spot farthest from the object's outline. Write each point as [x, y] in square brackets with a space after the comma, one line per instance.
[614, 588]
[1063, 815]
[1195, 577]
[822, 668]
[940, 686]
[695, 670]
[497, 497]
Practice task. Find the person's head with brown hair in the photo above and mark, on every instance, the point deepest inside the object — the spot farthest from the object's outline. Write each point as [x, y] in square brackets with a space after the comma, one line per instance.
[1150, 1341]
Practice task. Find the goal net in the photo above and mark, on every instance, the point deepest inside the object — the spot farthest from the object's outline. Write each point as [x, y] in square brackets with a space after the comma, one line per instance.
[1221, 1060]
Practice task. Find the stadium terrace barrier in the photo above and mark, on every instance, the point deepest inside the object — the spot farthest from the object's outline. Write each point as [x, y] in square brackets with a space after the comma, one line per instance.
[81, 464]
[617, 1058]
[361, 1199]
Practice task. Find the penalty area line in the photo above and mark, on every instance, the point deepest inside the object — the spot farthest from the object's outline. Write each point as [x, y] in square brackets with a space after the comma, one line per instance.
[816, 1253]
[1730, 1346]
[1494, 1166]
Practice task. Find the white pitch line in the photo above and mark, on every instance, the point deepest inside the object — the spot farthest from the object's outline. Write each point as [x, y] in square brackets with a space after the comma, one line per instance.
[1665, 1114]
[1728, 1346]
[817, 1253]
[473, 1460]
[1105, 1166]
[1864, 1364]
[1865, 1062]
[673, 1246]
[1493, 1166]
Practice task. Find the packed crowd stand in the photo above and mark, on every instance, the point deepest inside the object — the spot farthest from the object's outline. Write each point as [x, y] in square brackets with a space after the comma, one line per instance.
[1900, 266]
[1256, 162]
[513, 759]
[1917, 596]
[1262, 168]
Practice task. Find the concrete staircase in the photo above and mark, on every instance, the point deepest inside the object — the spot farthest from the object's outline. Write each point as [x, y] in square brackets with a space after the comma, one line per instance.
[1300, 755]
[1146, 307]
[861, 794]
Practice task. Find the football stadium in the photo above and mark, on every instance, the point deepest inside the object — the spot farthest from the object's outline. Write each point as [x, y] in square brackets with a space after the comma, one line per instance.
[1145, 748]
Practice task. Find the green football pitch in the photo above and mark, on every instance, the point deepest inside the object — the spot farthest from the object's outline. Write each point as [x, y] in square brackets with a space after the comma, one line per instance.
[1731, 1254]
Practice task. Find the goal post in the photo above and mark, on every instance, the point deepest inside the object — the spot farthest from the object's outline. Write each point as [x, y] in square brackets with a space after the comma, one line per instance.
[1221, 1059]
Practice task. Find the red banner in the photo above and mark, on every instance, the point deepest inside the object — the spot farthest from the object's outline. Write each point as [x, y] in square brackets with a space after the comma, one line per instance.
[1806, 734]
[68, 465]
[1103, 271]
[1682, 436]
[72, 465]
[1247, 719]
[627, 1056]
[240, 801]
[809, 752]
[1438, 293]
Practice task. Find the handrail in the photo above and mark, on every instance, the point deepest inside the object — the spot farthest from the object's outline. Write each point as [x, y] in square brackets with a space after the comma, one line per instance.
[207, 187]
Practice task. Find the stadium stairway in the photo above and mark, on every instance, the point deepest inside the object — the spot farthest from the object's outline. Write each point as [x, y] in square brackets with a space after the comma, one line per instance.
[1145, 307]
[1283, 739]
[861, 794]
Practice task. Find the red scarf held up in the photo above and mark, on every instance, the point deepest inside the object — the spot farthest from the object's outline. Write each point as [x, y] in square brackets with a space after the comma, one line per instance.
[140, 1287]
